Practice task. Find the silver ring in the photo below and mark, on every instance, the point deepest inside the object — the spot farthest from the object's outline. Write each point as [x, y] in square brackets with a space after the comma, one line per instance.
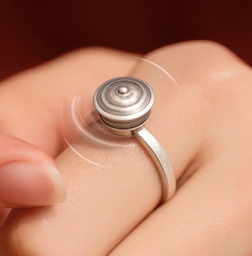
[124, 105]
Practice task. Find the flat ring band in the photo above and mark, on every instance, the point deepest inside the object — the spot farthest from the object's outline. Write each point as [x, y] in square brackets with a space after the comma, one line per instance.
[161, 160]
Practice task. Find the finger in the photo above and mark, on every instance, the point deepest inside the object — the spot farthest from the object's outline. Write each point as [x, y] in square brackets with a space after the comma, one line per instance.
[211, 213]
[34, 100]
[28, 177]
[114, 199]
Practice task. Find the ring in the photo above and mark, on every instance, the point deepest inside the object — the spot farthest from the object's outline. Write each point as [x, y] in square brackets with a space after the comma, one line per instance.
[124, 105]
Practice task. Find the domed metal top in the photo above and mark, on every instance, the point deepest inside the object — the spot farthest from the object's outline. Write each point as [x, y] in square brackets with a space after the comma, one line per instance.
[124, 102]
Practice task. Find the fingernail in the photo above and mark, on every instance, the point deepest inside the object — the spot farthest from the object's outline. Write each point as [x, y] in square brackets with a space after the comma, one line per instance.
[30, 184]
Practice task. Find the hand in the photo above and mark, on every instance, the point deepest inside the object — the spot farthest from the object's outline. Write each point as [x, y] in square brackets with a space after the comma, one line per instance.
[206, 131]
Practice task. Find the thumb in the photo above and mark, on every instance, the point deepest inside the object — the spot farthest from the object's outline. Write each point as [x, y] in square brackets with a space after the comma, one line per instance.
[28, 177]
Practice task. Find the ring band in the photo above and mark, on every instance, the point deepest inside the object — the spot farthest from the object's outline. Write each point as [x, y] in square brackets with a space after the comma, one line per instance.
[161, 160]
[124, 105]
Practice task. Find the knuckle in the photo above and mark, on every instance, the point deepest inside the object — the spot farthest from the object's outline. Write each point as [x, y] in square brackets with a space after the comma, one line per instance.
[206, 68]
[197, 60]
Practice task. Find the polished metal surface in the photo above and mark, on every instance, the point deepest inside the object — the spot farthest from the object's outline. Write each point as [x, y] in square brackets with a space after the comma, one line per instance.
[160, 158]
[124, 102]
[124, 105]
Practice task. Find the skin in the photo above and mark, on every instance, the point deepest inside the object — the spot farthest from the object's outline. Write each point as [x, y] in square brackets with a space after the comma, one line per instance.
[204, 126]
